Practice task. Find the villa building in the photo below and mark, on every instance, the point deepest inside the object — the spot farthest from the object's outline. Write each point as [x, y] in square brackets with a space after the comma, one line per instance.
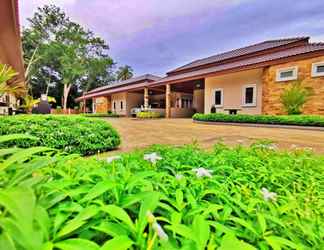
[248, 80]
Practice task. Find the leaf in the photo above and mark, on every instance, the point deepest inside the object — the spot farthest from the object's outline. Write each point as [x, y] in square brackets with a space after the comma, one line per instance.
[110, 228]
[12, 137]
[118, 243]
[78, 221]
[201, 231]
[262, 222]
[245, 224]
[230, 242]
[23, 155]
[120, 214]
[277, 242]
[149, 203]
[76, 244]
[6, 242]
[97, 190]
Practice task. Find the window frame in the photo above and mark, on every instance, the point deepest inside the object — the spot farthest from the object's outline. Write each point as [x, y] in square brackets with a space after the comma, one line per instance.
[214, 98]
[121, 105]
[254, 98]
[314, 72]
[291, 78]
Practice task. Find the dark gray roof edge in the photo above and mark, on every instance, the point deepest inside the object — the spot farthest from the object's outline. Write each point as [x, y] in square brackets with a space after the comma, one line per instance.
[146, 77]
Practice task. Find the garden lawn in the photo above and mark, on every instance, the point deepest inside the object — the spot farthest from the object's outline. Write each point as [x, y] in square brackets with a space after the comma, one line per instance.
[164, 198]
[72, 134]
[298, 120]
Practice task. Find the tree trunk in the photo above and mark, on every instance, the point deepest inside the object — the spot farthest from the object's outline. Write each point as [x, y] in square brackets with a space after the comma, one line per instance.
[66, 92]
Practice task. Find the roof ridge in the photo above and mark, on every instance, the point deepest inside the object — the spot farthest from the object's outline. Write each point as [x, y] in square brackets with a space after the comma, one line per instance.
[287, 39]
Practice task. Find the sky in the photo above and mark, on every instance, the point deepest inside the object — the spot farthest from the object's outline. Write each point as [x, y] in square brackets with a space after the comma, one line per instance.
[156, 36]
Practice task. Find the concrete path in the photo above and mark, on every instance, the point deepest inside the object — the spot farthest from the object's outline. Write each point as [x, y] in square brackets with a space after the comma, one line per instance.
[142, 133]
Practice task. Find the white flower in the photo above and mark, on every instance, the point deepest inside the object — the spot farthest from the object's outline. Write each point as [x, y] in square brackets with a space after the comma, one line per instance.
[202, 172]
[268, 146]
[240, 141]
[267, 195]
[308, 148]
[178, 176]
[153, 157]
[113, 158]
[159, 231]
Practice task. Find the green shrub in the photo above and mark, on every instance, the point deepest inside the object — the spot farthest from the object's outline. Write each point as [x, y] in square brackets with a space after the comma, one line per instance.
[73, 134]
[148, 114]
[294, 98]
[109, 114]
[246, 198]
[298, 120]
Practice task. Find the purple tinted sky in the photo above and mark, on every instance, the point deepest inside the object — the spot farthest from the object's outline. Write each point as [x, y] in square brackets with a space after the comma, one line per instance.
[154, 36]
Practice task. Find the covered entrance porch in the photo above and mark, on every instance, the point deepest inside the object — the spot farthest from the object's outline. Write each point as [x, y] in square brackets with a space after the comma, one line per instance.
[178, 100]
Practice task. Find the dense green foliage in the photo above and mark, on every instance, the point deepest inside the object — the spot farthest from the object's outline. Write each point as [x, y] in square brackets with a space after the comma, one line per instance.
[73, 134]
[61, 52]
[70, 203]
[294, 97]
[124, 72]
[299, 120]
[148, 114]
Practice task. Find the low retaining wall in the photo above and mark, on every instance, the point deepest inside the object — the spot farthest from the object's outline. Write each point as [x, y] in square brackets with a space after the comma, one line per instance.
[260, 125]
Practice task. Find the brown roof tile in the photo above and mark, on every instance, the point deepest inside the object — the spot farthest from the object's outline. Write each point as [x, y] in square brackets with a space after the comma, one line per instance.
[270, 44]
[265, 58]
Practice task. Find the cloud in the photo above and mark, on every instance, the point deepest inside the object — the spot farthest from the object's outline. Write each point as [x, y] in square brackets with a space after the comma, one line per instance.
[154, 36]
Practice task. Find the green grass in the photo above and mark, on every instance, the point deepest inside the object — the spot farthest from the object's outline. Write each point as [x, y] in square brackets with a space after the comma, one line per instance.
[299, 120]
[68, 202]
[72, 134]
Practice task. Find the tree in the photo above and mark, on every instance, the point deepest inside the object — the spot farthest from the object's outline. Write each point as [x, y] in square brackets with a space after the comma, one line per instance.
[64, 54]
[124, 73]
[294, 98]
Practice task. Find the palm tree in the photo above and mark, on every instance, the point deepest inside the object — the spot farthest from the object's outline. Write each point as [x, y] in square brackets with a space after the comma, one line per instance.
[124, 73]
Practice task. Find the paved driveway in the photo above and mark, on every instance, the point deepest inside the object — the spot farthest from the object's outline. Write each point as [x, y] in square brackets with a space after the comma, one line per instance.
[142, 133]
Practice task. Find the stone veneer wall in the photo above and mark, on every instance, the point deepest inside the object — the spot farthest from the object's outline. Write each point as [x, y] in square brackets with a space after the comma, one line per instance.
[272, 90]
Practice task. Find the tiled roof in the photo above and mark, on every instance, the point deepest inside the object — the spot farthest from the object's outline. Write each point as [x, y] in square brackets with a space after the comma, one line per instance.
[265, 58]
[270, 44]
[147, 77]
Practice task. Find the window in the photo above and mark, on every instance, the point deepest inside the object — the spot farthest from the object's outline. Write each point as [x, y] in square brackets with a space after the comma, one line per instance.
[218, 97]
[318, 69]
[249, 95]
[114, 105]
[121, 105]
[287, 74]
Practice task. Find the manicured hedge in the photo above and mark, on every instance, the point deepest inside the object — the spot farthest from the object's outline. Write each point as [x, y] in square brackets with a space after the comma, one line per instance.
[299, 120]
[148, 115]
[73, 134]
[101, 115]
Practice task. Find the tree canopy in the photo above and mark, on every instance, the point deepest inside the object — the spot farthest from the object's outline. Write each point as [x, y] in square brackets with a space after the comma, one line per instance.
[64, 58]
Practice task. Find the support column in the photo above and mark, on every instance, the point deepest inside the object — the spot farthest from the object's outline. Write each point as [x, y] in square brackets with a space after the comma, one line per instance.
[84, 105]
[146, 98]
[168, 101]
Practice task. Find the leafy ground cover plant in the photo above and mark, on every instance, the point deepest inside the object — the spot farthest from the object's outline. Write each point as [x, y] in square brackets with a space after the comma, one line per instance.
[164, 198]
[73, 134]
[299, 120]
